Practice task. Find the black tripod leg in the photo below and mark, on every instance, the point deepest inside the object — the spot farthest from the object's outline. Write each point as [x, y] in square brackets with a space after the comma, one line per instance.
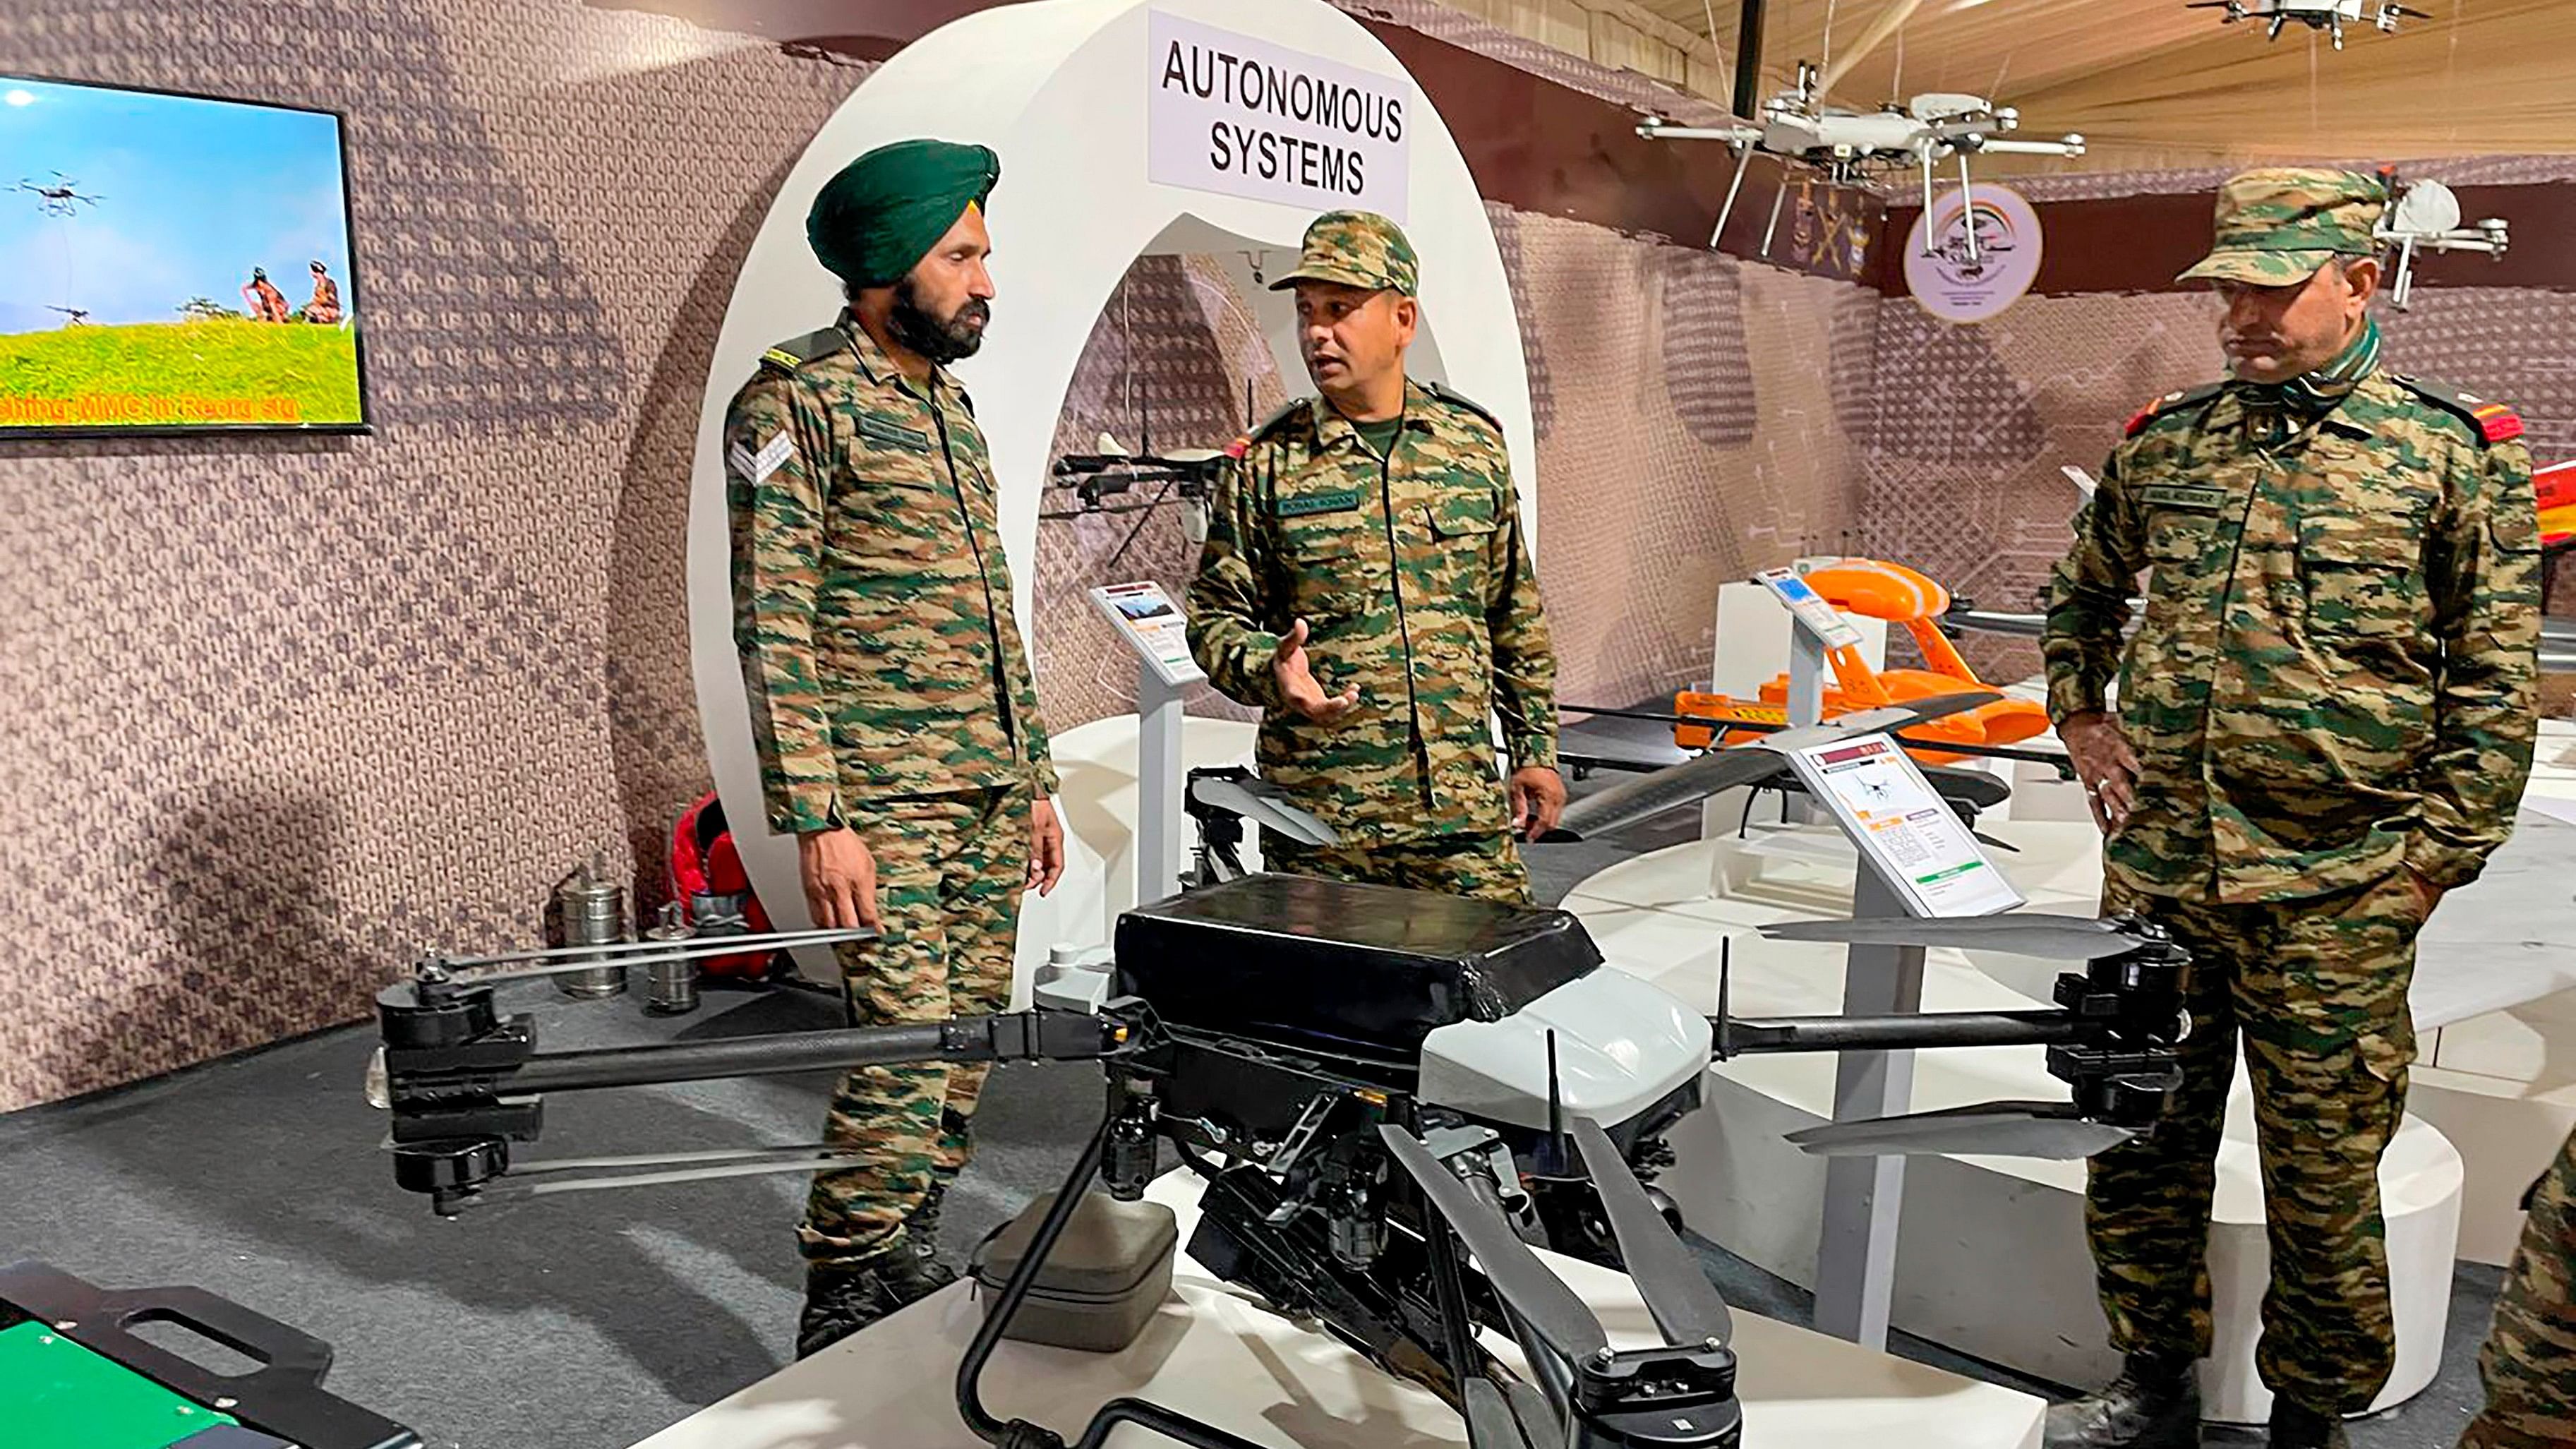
[970, 1398]
[1019, 1433]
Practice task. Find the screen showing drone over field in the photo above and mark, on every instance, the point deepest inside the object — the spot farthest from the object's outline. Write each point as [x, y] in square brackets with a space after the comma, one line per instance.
[172, 262]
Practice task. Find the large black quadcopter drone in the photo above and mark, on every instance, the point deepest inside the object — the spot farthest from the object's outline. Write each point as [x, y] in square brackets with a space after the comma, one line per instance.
[1365, 1078]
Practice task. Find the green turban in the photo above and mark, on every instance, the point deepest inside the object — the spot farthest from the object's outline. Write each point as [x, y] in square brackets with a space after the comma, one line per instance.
[886, 210]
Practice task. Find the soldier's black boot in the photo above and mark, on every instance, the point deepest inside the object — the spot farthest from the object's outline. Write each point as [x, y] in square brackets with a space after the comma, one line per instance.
[2153, 1404]
[2294, 1427]
[842, 1298]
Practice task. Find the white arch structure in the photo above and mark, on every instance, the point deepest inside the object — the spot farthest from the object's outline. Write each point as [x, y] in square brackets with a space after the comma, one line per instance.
[1060, 91]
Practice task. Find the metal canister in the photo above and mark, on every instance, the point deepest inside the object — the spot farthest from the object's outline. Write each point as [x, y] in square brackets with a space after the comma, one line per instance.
[594, 914]
[670, 987]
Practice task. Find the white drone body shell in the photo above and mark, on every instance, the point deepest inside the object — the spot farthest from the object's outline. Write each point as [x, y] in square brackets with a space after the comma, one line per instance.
[1622, 1046]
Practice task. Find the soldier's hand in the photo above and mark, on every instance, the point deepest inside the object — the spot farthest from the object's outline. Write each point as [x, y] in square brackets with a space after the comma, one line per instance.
[1297, 681]
[1538, 798]
[2105, 766]
[1046, 847]
[840, 878]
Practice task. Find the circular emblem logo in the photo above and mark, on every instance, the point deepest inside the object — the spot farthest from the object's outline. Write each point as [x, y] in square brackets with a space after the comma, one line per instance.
[1957, 283]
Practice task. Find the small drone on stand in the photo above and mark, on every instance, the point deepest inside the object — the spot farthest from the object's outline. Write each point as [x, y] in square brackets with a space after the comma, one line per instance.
[1185, 477]
[1856, 147]
[2326, 15]
[2425, 216]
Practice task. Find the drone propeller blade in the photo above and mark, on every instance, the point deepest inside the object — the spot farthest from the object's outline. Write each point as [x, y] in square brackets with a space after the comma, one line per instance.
[1941, 705]
[1490, 1424]
[1685, 1305]
[1192, 455]
[1694, 780]
[1669, 788]
[2049, 1130]
[1264, 806]
[1532, 1293]
[2036, 933]
[1540, 1422]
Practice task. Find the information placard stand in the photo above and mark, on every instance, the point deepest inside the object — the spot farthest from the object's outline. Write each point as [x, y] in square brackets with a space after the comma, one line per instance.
[1916, 859]
[1159, 635]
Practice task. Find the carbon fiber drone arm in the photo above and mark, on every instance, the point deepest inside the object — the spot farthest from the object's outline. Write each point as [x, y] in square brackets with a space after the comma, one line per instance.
[463, 1081]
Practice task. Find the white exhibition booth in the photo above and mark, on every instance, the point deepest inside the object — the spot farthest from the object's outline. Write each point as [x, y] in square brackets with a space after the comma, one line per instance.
[1991, 1257]
[1071, 95]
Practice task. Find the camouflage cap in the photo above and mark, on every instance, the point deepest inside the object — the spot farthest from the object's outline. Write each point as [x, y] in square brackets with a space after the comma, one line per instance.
[2277, 225]
[1356, 249]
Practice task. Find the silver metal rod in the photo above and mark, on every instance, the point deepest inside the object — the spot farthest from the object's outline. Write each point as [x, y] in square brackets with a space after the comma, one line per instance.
[653, 1179]
[1743, 162]
[1968, 208]
[1777, 198]
[715, 944]
[675, 1159]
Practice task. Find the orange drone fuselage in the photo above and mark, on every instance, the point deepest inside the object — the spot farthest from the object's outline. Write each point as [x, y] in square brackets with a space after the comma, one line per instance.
[1899, 595]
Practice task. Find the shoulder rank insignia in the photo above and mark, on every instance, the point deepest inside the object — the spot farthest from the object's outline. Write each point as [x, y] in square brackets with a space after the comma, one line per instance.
[2492, 421]
[2180, 397]
[1442, 392]
[1239, 447]
[795, 352]
[1270, 424]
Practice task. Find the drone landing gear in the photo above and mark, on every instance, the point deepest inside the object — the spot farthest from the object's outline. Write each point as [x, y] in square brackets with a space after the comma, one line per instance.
[1020, 1433]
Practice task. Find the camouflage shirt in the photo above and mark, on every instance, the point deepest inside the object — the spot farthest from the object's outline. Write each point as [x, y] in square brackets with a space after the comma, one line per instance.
[872, 604]
[2337, 667]
[1415, 584]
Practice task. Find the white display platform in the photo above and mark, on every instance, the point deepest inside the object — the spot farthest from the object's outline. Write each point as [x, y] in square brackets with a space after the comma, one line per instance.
[1738, 1182]
[1096, 765]
[2502, 1084]
[1224, 1357]
[1066, 93]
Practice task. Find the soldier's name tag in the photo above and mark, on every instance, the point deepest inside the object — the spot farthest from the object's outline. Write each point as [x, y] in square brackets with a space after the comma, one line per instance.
[2195, 498]
[894, 435]
[1306, 503]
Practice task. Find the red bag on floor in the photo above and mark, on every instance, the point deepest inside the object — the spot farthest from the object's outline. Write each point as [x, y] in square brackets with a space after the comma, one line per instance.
[707, 877]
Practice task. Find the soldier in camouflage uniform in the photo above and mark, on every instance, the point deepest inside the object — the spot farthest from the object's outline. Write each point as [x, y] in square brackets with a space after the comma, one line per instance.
[892, 708]
[2324, 722]
[1366, 583]
[2529, 1362]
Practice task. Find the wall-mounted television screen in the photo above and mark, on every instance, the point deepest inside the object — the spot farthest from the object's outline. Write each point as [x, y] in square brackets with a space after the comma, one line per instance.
[172, 263]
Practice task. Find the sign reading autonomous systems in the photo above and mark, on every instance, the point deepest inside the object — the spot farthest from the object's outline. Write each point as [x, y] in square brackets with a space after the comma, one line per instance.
[1248, 118]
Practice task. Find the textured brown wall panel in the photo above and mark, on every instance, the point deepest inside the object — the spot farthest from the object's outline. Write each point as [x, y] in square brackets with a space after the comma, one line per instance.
[1175, 344]
[281, 713]
[1652, 492]
[1976, 421]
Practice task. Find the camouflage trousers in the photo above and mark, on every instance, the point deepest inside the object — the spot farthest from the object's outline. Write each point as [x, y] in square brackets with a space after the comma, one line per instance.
[1485, 867]
[2529, 1362]
[950, 870]
[2316, 988]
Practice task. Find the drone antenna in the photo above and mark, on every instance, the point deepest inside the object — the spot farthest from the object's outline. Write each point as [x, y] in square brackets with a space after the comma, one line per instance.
[1555, 1100]
[1560, 1159]
[1725, 969]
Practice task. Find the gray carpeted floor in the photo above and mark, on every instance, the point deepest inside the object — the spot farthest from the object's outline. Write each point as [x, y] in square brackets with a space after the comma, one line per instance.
[588, 1321]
